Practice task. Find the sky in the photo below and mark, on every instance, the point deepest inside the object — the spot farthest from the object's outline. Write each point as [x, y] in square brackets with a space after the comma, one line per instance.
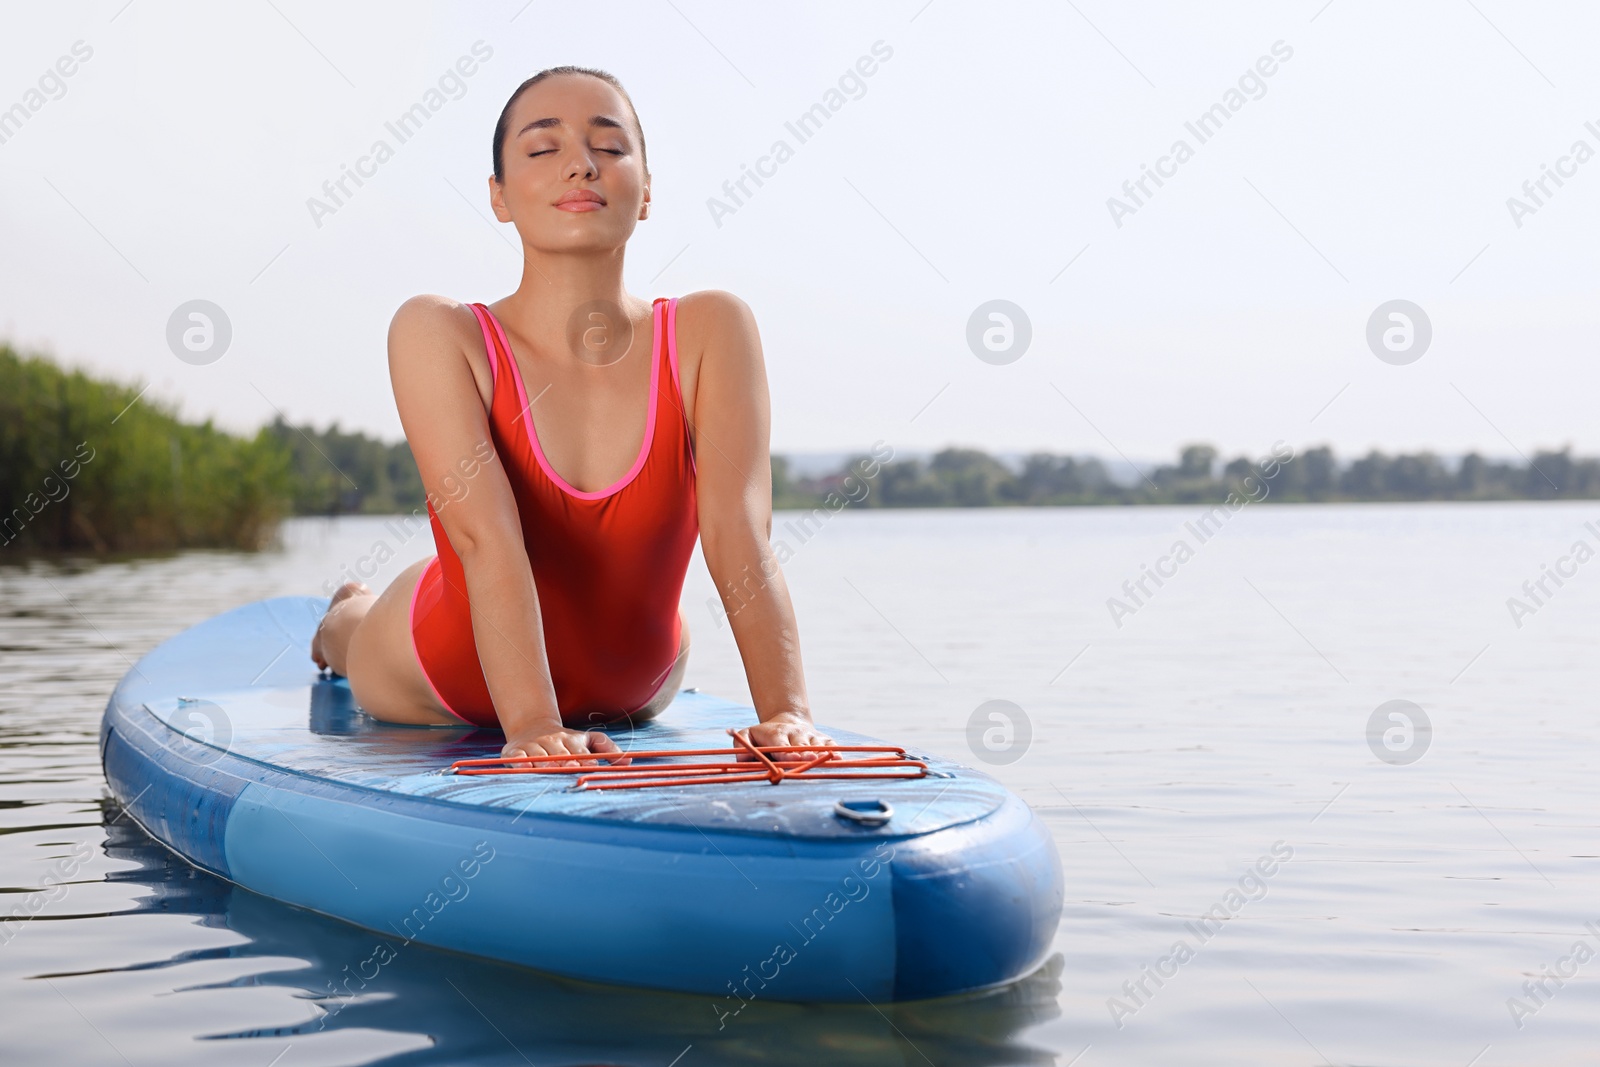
[1358, 153]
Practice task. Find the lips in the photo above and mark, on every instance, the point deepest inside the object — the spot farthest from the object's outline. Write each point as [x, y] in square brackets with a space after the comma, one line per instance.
[580, 200]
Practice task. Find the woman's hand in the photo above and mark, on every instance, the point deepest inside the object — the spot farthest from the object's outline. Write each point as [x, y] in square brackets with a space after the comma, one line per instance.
[543, 741]
[785, 728]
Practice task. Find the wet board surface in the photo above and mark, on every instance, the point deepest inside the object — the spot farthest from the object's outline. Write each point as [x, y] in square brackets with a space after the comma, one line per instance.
[244, 683]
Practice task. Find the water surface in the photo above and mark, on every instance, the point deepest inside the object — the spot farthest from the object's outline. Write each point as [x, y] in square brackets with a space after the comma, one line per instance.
[1223, 724]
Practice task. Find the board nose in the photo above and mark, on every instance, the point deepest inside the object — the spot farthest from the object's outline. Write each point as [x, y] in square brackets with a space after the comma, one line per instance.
[984, 919]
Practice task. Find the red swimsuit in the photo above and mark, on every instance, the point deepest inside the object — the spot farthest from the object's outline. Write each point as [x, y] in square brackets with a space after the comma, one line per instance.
[608, 565]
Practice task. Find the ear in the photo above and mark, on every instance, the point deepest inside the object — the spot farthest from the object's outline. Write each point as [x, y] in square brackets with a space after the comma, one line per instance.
[497, 200]
[644, 208]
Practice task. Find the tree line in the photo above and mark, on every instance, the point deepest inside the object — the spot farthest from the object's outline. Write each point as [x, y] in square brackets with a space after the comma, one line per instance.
[966, 477]
[90, 464]
[95, 465]
[335, 472]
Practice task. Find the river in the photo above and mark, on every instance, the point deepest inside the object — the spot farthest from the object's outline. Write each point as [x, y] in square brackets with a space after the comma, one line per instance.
[1267, 860]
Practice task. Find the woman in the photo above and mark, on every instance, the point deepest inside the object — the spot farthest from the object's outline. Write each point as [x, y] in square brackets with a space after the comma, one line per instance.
[552, 604]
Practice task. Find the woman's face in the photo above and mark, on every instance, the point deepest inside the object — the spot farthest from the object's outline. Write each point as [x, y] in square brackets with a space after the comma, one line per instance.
[571, 134]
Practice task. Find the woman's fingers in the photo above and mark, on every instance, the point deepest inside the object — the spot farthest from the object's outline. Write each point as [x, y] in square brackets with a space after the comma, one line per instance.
[565, 743]
[769, 735]
[751, 735]
[599, 742]
[804, 735]
[540, 747]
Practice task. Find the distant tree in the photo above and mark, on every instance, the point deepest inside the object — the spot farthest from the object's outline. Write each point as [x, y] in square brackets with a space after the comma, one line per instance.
[1319, 473]
[341, 473]
[971, 478]
[1048, 479]
[780, 476]
[1364, 479]
[1191, 480]
[1472, 477]
[908, 483]
[1241, 476]
[1419, 477]
[1195, 462]
[1548, 475]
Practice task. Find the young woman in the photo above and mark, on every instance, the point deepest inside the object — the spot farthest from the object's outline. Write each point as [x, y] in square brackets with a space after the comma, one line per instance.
[573, 440]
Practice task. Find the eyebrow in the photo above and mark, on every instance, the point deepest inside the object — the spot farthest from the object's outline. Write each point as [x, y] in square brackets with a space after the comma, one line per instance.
[597, 120]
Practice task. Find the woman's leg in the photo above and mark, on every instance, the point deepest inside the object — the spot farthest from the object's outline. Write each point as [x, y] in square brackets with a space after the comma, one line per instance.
[367, 639]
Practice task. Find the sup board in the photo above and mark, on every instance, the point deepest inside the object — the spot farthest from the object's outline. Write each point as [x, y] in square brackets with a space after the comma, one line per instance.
[228, 746]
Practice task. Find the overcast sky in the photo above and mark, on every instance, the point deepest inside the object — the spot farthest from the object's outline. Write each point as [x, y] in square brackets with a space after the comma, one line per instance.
[1229, 304]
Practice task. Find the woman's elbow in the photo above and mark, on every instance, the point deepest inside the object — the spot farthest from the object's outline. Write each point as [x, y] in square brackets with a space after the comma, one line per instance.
[477, 541]
[740, 540]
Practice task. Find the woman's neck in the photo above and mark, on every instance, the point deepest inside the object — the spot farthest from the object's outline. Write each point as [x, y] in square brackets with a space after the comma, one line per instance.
[557, 286]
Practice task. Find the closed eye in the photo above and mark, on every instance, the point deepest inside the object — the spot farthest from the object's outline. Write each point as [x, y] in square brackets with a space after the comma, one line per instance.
[610, 151]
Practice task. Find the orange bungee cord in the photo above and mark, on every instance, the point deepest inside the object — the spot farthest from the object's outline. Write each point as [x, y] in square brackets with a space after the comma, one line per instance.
[774, 763]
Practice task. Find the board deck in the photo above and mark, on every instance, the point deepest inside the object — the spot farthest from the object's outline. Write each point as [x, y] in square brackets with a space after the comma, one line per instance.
[227, 745]
[293, 720]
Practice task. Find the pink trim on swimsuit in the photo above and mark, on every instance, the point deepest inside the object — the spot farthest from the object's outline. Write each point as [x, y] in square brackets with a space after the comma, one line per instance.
[677, 383]
[411, 625]
[488, 347]
[533, 433]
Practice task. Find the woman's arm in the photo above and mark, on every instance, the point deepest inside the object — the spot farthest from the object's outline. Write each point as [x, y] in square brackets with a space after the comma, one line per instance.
[732, 420]
[446, 425]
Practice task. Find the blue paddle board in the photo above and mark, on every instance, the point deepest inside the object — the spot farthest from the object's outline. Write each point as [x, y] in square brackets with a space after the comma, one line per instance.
[225, 744]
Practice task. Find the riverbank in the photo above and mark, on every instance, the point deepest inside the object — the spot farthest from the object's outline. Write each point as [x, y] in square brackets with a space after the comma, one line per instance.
[98, 466]
[91, 465]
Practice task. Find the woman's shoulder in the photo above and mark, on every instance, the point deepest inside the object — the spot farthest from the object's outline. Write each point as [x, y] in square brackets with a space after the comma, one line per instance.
[431, 311]
[713, 304]
[428, 320]
[426, 324]
[713, 314]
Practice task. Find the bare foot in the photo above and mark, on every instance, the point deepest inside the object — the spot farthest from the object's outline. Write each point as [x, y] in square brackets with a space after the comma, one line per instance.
[343, 593]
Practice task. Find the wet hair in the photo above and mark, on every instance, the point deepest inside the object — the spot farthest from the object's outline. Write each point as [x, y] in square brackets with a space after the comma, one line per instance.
[550, 72]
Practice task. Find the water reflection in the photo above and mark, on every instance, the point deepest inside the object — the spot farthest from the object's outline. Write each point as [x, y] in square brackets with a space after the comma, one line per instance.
[487, 1013]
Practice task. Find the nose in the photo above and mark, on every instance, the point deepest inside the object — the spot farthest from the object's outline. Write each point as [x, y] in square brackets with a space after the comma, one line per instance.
[582, 165]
